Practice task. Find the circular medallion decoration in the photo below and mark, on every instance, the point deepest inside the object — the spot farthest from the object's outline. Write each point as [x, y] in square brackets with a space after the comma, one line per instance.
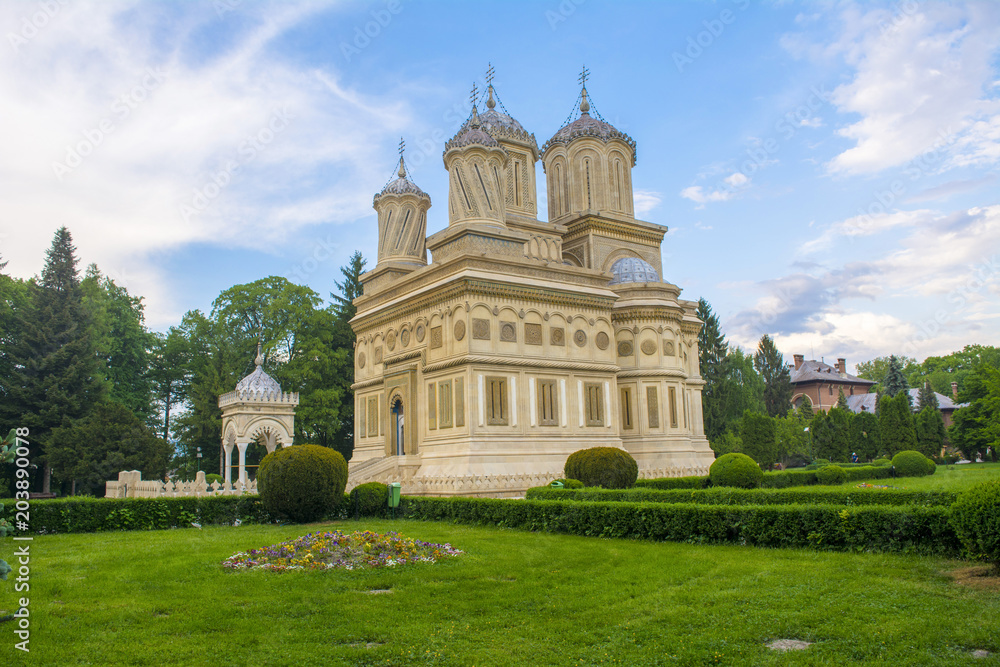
[648, 347]
[507, 331]
[580, 337]
[378, 356]
[558, 336]
[420, 333]
[460, 330]
[668, 348]
[404, 338]
[390, 340]
[625, 348]
[602, 341]
[361, 360]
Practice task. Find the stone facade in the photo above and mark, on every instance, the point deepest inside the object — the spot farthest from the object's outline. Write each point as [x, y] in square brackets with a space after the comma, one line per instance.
[523, 341]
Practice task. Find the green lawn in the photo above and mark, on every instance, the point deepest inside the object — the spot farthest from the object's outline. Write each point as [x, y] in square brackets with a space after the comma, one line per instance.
[946, 478]
[162, 598]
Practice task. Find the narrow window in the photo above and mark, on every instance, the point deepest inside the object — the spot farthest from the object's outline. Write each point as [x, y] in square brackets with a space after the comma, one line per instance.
[459, 402]
[548, 404]
[626, 395]
[595, 404]
[673, 407]
[557, 191]
[831, 390]
[618, 180]
[586, 166]
[496, 401]
[431, 406]
[444, 404]
[373, 416]
[362, 431]
[388, 221]
[517, 182]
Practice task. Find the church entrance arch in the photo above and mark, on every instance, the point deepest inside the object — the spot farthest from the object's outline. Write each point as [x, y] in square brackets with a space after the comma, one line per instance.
[398, 426]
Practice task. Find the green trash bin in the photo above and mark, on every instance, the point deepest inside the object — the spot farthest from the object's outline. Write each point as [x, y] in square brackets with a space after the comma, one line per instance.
[557, 484]
[394, 489]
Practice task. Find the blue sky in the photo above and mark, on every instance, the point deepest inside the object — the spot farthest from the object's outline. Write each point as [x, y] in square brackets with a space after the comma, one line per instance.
[828, 170]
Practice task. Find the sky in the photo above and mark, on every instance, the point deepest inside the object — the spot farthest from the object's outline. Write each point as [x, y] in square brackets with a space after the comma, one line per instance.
[828, 171]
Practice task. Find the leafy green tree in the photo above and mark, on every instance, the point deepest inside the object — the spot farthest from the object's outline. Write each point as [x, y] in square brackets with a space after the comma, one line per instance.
[121, 340]
[955, 367]
[895, 381]
[930, 431]
[865, 440]
[759, 440]
[793, 439]
[169, 373]
[977, 426]
[57, 378]
[727, 443]
[109, 439]
[895, 423]
[770, 364]
[876, 370]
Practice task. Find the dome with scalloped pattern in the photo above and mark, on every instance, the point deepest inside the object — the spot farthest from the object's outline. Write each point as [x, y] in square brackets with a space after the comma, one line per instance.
[588, 126]
[401, 185]
[633, 270]
[258, 382]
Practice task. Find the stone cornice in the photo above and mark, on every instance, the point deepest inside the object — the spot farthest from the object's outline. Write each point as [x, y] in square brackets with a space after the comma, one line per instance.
[364, 384]
[653, 373]
[625, 229]
[521, 362]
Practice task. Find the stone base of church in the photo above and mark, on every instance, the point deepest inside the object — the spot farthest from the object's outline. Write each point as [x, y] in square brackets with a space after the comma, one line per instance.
[511, 476]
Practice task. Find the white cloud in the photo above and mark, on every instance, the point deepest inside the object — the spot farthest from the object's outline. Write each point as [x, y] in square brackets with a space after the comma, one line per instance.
[864, 225]
[737, 180]
[220, 133]
[919, 82]
[731, 184]
[645, 201]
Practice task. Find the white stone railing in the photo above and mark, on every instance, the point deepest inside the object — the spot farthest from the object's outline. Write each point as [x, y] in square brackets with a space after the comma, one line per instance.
[131, 485]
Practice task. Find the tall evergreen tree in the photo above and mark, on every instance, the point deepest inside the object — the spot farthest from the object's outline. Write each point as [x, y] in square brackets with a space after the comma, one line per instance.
[712, 352]
[926, 397]
[57, 377]
[930, 431]
[895, 424]
[770, 364]
[169, 374]
[865, 439]
[842, 401]
[895, 382]
[757, 432]
[806, 409]
[343, 341]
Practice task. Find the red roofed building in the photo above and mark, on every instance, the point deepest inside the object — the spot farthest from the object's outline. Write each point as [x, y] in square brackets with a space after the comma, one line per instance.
[822, 382]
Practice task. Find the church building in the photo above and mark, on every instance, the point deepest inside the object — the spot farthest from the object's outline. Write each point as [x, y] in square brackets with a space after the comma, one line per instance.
[522, 340]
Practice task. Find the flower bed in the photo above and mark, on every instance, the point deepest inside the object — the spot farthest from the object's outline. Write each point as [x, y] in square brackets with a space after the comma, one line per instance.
[324, 551]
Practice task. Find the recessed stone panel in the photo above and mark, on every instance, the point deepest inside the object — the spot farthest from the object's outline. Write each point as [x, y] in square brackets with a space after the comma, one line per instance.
[533, 334]
[648, 347]
[625, 348]
[480, 329]
[508, 332]
[437, 337]
[557, 336]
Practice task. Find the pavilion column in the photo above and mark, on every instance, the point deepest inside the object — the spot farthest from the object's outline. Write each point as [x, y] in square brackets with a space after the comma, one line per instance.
[229, 462]
[243, 461]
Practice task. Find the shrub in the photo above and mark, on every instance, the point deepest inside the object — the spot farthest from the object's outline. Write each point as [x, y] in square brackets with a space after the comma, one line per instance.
[831, 475]
[975, 516]
[884, 461]
[570, 483]
[370, 499]
[780, 480]
[302, 483]
[737, 470]
[609, 467]
[912, 464]
[692, 482]
[213, 477]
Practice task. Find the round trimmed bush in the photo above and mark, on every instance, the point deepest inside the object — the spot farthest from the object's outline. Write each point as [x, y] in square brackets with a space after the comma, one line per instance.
[607, 467]
[884, 461]
[302, 483]
[975, 516]
[569, 483]
[912, 464]
[213, 477]
[371, 499]
[737, 470]
[831, 475]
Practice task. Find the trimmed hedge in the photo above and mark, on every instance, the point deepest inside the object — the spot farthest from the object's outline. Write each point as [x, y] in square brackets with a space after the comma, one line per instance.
[732, 496]
[922, 530]
[90, 515]
[569, 483]
[976, 519]
[302, 483]
[609, 467]
[912, 464]
[831, 475]
[695, 482]
[737, 470]
[369, 499]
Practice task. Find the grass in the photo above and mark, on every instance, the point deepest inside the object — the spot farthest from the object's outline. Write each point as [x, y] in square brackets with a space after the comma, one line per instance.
[162, 597]
[945, 478]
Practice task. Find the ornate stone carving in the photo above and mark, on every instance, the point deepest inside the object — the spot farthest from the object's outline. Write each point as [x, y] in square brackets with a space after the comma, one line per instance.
[390, 340]
[602, 341]
[420, 333]
[404, 338]
[557, 336]
[648, 347]
[437, 338]
[378, 356]
[361, 360]
[580, 337]
[533, 333]
[508, 332]
[625, 348]
[460, 330]
[668, 348]
[480, 329]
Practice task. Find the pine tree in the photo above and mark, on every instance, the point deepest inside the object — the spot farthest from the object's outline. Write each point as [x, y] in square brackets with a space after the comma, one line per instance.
[842, 401]
[57, 378]
[865, 441]
[769, 362]
[344, 339]
[712, 352]
[926, 397]
[895, 422]
[930, 431]
[895, 382]
[806, 409]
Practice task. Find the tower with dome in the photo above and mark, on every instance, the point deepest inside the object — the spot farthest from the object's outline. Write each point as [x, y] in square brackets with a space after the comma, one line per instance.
[522, 340]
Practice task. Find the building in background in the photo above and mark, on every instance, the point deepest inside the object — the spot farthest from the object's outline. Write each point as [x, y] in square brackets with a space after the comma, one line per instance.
[822, 382]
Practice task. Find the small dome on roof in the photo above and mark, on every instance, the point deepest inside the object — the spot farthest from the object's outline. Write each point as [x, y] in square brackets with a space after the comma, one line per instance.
[633, 270]
[258, 382]
[471, 132]
[588, 126]
[401, 185]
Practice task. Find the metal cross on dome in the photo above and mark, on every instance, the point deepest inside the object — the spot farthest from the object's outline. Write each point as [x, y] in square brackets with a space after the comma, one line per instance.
[490, 72]
[474, 95]
[402, 147]
[584, 74]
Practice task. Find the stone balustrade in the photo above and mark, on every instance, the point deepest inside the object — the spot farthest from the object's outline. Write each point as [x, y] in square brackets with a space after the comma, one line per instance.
[131, 485]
